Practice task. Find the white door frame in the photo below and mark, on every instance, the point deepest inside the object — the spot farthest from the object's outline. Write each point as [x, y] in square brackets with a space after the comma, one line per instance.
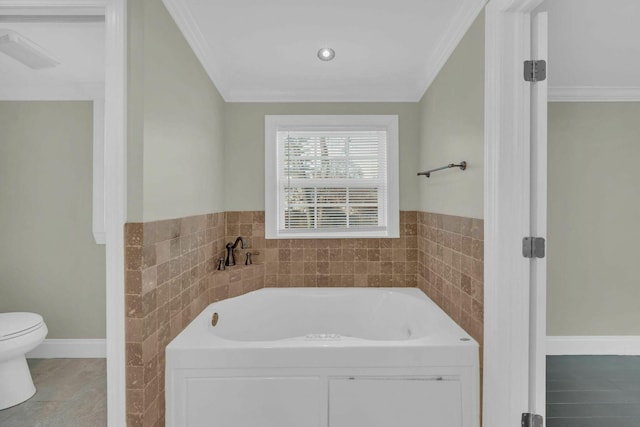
[114, 174]
[506, 212]
[75, 92]
[538, 284]
[116, 204]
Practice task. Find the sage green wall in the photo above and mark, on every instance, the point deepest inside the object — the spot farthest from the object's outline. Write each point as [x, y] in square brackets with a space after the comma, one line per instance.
[452, 130]
[49, 261]
[176, 115]
[594, 207]
[244, 156]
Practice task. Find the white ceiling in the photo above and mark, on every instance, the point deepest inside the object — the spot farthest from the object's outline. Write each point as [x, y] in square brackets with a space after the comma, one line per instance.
[256, 50]
[385, 51]
[594, 49]
[78, 46]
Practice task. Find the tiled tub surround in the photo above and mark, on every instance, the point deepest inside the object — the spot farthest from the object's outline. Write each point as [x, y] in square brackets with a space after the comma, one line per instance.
[451, 267]
[330, 262]
[171, 277]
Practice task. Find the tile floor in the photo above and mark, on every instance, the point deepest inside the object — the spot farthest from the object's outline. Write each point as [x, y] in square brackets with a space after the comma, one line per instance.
[582, 391]
[593, 391]
[70, 393]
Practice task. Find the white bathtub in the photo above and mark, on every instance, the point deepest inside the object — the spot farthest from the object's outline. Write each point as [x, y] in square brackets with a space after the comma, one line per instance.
[323, 357]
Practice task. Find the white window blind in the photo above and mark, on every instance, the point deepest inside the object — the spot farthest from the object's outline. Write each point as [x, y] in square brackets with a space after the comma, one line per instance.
[332, 181]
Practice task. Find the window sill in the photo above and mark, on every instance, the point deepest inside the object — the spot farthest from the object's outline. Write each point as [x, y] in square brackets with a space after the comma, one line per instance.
[343, 235]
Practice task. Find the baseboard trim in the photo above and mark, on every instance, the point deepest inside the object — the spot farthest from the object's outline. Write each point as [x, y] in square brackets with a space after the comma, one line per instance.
[70, 348]
[627, 345]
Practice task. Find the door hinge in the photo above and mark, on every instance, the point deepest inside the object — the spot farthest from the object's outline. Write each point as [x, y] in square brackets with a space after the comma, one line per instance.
[535, 71]
[531, 420]
[533, 247]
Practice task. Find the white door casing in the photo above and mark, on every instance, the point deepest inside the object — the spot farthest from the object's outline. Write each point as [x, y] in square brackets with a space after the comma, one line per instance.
[507, 212]
[70, 93]
[538, 294]
[115, 204]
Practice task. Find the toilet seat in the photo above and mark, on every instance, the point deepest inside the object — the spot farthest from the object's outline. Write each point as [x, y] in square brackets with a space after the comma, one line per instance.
[13, 325]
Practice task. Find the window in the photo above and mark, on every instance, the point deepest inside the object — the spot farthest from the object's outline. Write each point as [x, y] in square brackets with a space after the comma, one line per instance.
[331, 176]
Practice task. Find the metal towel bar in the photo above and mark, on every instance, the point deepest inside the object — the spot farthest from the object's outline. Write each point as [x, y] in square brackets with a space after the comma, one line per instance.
[462, 165]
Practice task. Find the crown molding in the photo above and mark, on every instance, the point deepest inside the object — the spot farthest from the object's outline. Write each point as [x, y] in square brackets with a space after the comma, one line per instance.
[61, 92]
[462, 20]
[313, 96]
[52, 7]
[55, 19]
[594, 94]
[199, 44]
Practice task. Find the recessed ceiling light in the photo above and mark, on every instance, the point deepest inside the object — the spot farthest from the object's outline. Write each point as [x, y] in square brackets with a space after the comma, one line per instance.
[24, 50]
[326, 54]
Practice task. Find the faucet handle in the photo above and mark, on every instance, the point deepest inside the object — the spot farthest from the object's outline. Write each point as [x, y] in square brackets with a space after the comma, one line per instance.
[248, 261]
[221, 265]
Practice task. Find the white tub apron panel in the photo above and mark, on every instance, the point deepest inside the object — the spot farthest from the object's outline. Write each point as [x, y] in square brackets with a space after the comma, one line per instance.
[323, 357]
[384, 402]
[253, 401]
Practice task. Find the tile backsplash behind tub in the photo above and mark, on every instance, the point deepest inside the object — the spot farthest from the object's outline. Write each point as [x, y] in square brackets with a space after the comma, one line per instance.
[330, 262]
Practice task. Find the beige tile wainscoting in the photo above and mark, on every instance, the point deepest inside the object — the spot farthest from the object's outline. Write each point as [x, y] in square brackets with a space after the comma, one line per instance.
[166, 284]
[171, 277]
[330, 262]
[451, 267]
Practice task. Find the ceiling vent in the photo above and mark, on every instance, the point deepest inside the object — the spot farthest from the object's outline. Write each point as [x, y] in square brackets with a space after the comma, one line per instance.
[24, 50]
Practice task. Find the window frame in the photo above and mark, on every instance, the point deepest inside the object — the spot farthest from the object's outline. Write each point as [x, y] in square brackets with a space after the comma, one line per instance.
[275, 123]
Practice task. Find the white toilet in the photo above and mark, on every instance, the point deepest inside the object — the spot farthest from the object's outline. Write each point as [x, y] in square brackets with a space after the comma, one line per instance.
[19, 334]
